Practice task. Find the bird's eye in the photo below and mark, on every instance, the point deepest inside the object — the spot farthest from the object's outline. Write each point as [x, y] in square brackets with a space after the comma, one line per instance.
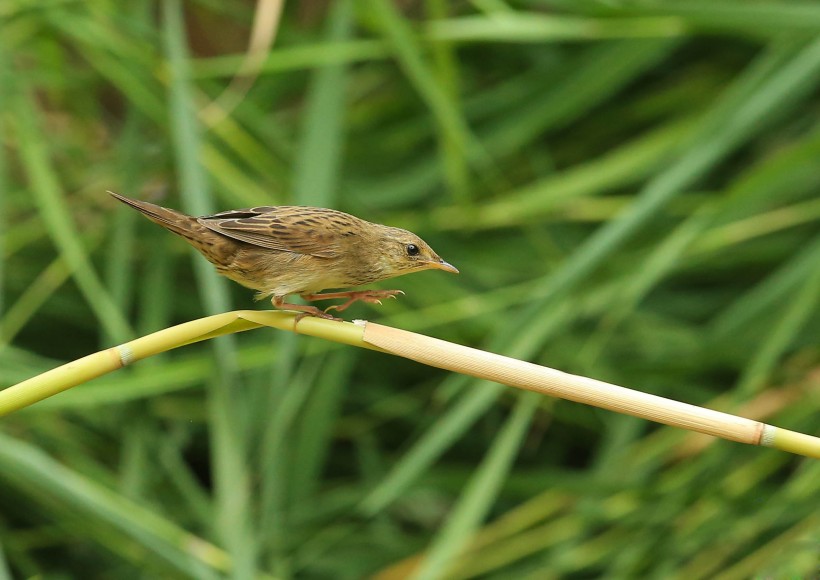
[412, 250]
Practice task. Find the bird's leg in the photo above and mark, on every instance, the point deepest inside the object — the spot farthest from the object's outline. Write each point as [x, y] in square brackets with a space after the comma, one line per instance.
[370, 296]
[304, 309]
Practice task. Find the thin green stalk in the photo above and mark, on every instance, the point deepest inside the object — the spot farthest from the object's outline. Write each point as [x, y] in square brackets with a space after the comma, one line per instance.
[229, 449]
[39, 473]
[455, 130]
[56, 212]
[319, 156]
[480, 493]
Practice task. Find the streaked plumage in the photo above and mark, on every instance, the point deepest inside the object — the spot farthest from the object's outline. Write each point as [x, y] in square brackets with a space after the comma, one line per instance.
[282, 250]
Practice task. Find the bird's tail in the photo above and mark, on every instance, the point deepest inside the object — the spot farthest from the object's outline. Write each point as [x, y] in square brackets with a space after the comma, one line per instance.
[171, 219]
[209, 243]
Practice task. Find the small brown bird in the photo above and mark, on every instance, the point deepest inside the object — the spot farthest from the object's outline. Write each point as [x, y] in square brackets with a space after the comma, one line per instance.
[282, 250]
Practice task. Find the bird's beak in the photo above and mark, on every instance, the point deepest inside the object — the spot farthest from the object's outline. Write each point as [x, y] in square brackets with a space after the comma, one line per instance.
[442, 265]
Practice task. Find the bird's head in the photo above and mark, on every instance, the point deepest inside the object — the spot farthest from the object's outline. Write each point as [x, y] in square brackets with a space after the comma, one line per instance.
[402, 252]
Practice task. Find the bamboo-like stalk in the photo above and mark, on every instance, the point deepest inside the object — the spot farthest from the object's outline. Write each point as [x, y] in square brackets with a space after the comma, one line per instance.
[94, 365]
[426, 350]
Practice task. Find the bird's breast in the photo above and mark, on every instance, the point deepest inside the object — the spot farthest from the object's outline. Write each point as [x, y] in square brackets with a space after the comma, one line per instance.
[283, 273]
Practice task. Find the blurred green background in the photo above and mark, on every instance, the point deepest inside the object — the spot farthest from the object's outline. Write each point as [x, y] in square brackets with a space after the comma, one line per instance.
[628, 187]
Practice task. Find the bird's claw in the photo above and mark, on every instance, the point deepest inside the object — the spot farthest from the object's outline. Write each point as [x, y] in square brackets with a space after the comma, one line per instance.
[369, 296]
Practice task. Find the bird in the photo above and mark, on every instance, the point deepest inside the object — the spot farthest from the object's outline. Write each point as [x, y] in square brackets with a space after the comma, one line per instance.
[284, 250]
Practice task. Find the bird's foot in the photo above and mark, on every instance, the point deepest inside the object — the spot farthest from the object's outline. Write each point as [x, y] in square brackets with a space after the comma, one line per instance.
[369, 296]
[304, 310]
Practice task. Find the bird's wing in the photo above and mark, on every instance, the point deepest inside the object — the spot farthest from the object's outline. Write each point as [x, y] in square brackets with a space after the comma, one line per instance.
[301, 230]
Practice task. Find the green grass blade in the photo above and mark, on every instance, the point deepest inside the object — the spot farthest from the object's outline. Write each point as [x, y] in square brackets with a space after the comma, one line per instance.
[780, 77]
[74, 492]
[229, 448]
[456, 133]
[319, 157]
[56, 213]
[481, 492]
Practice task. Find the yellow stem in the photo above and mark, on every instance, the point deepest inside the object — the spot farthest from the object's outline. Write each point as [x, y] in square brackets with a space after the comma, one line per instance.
[423, 349]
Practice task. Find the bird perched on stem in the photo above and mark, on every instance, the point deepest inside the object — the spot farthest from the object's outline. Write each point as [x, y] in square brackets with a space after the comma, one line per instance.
[282, 250]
